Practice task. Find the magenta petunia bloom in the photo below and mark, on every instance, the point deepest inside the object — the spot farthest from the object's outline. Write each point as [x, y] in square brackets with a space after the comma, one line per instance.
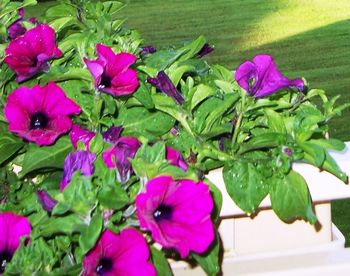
[29, 54]
[261, 77]
[124, 254]
[175, 158]
[163, 83]
[177, 213]
[12, 228]
[79, 134]
[118, 157]
[40, 114]
[79, 160]
[46, 201]
[112, 72]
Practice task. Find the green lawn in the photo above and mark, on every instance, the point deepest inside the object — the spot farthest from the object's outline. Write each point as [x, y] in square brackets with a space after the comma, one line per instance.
[309, 38]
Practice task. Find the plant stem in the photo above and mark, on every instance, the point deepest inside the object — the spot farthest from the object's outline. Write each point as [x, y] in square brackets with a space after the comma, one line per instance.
[239, 120]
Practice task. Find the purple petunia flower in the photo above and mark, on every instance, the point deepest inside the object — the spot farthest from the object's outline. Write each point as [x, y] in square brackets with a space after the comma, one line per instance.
[29, 54]
[163, 83]
[118, 157]
[206, 49]
[261, 77]
[147, 50]
[175, 158]
[40, 114]
[12, 228]
[177, 213]
[17, 29]
[79, 134]
[125, 253]
[112, 134]
[112, 72]
[46, 201]
[79, 160]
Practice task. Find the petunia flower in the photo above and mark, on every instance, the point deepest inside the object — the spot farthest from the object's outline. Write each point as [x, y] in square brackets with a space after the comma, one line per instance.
[177, 213]
[206, 49]
[40, 114]
[79, 134]
[12, 228]
[112, 72]
[163, 83]
[79, 160]
[46, 201]
[29, 54]
[261, 77]
[175, 158]
[125, 254]
[118, 157]
[112, 134]
[17, 29]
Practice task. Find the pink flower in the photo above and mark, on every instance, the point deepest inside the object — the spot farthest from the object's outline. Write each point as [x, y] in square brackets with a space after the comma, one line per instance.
[124, 254]
[12, 228]
[118, 156]
[112, 73]
[79, 134]
[29, 54]
[40, 114]
[177, 213]
[175, 158]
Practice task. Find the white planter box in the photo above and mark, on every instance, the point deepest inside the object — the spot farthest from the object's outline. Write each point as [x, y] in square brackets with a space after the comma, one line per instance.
[251, 244]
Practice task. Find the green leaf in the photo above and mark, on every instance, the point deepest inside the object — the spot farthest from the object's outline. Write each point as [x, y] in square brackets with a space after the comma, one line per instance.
[202, 92]
[59, 225]
[265, 140]
[160, 262]
[46, 157]
[210, 260]
[113, 196]
[329, 144]
[315, 152]
[91, 233]
[9, 144]
[290, 198]
[162, 59]
[143, 95]
[192, 48]
[246, 184]
[275, 121]
[138, 121]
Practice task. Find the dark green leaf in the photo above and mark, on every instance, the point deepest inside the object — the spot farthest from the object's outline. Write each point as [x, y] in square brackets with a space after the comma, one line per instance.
[160, 262]
[46, 157]
[9, 144]
[113, 196]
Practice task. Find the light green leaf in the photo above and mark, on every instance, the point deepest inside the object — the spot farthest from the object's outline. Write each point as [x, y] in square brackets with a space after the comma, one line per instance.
[160, 262]
[245, 184]
[290, 198]
[202, 92]
[9, 144]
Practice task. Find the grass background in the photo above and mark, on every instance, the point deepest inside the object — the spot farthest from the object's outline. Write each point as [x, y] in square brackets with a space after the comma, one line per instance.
[309, 38]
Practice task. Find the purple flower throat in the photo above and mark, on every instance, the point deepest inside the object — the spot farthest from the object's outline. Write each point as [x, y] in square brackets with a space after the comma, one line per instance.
[38, 120]
[163, 212]
[104, 266]
[5, 257]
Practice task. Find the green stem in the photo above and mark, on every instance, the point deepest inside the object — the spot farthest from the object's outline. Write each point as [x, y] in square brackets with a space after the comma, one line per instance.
[239, 121]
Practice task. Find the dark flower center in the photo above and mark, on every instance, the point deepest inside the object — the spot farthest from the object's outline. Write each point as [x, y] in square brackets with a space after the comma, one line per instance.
[35, 62]
[38, 120]
[106, 81]
[5, 257]
[105, 265]
[163, 212]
